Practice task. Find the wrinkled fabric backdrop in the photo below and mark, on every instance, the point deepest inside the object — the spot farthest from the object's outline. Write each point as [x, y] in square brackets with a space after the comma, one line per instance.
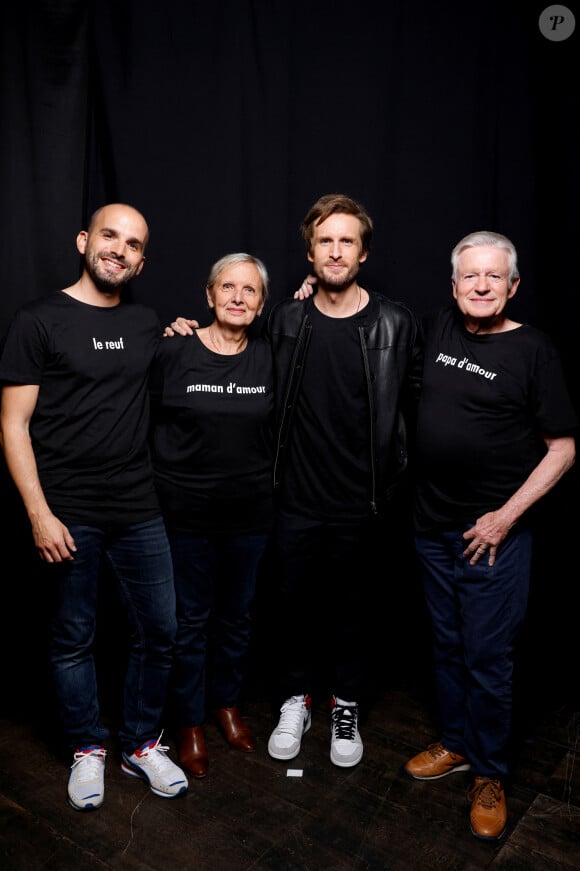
[224, 121]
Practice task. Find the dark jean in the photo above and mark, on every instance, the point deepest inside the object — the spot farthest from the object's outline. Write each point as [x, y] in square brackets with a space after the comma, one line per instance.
[215, 583]
[476, 613]
[140, 559]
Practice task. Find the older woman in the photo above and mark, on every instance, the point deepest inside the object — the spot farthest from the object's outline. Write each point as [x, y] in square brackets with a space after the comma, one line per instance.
[212, 447]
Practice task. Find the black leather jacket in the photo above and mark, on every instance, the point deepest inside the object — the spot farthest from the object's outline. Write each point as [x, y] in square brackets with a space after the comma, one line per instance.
[391, 358]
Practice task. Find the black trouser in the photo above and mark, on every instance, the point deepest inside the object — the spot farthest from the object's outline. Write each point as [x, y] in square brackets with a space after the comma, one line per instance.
[324, 606]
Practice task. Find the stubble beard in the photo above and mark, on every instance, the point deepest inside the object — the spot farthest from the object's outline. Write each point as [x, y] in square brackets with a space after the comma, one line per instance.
[336, 283]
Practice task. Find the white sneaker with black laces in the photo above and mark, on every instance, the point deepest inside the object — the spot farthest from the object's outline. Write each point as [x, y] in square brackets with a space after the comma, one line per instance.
[346, 746]
[151, 763]
[86, 783]
[294, 722]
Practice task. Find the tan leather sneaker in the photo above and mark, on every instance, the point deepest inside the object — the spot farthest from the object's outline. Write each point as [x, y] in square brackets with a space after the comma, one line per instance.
[435, 762]
[488, 814]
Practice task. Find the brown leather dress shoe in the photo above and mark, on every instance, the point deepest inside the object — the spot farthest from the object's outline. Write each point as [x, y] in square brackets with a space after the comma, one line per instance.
[435, 762]
[191, 750]
[234, 729]
[488, 814]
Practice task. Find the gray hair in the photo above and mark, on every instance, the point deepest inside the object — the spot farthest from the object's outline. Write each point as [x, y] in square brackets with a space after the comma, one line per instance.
[239, 257]
[487, 237]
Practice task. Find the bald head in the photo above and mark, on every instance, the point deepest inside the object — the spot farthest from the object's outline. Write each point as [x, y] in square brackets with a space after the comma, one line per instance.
[121, 214]
[113, 247]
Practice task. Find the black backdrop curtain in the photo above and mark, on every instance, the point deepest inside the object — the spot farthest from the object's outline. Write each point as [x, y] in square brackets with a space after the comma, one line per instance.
[224, 121]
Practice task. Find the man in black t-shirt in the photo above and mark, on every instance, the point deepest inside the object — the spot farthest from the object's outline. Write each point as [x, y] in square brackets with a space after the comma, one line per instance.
[75, 419]
[495, 435]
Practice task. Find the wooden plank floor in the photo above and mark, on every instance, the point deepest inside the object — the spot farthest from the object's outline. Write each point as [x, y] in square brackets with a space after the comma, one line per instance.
[249, 815]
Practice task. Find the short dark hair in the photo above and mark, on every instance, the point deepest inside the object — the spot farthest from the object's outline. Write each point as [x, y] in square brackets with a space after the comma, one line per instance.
[331, 204]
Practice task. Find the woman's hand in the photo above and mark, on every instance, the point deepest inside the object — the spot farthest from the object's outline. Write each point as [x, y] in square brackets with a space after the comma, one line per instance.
[306, 289]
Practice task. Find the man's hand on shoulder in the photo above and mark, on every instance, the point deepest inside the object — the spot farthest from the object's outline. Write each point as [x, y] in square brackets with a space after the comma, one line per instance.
[182, 327]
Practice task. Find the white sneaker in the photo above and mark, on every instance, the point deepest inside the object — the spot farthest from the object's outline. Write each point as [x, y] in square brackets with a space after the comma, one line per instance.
[151, 763]
[294, 721]
[346, 746]
[86, 783]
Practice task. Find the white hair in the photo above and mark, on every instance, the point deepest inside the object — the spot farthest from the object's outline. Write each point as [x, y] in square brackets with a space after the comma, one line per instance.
[487, 237]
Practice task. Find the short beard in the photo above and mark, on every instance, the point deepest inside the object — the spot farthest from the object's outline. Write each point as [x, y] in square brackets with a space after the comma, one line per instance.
[105, 283]
[340, 284]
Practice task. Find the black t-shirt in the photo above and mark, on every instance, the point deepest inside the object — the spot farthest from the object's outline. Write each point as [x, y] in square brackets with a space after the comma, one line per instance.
[327, 471]
[486, 402]
[212, 436]
[89, 429]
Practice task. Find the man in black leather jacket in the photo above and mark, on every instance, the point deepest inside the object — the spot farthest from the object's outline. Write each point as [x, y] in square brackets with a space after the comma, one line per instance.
[347, 367]
[389, 358]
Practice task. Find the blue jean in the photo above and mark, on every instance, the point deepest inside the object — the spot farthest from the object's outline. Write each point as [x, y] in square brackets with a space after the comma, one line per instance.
[140, 559]
[215, 583]
[476, 613]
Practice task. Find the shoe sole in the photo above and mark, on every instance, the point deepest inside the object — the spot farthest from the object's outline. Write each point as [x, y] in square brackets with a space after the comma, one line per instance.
[453, 770]
[127, 768]
[488, 837]
[287, 756]
[84, 808]
[343, 764]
